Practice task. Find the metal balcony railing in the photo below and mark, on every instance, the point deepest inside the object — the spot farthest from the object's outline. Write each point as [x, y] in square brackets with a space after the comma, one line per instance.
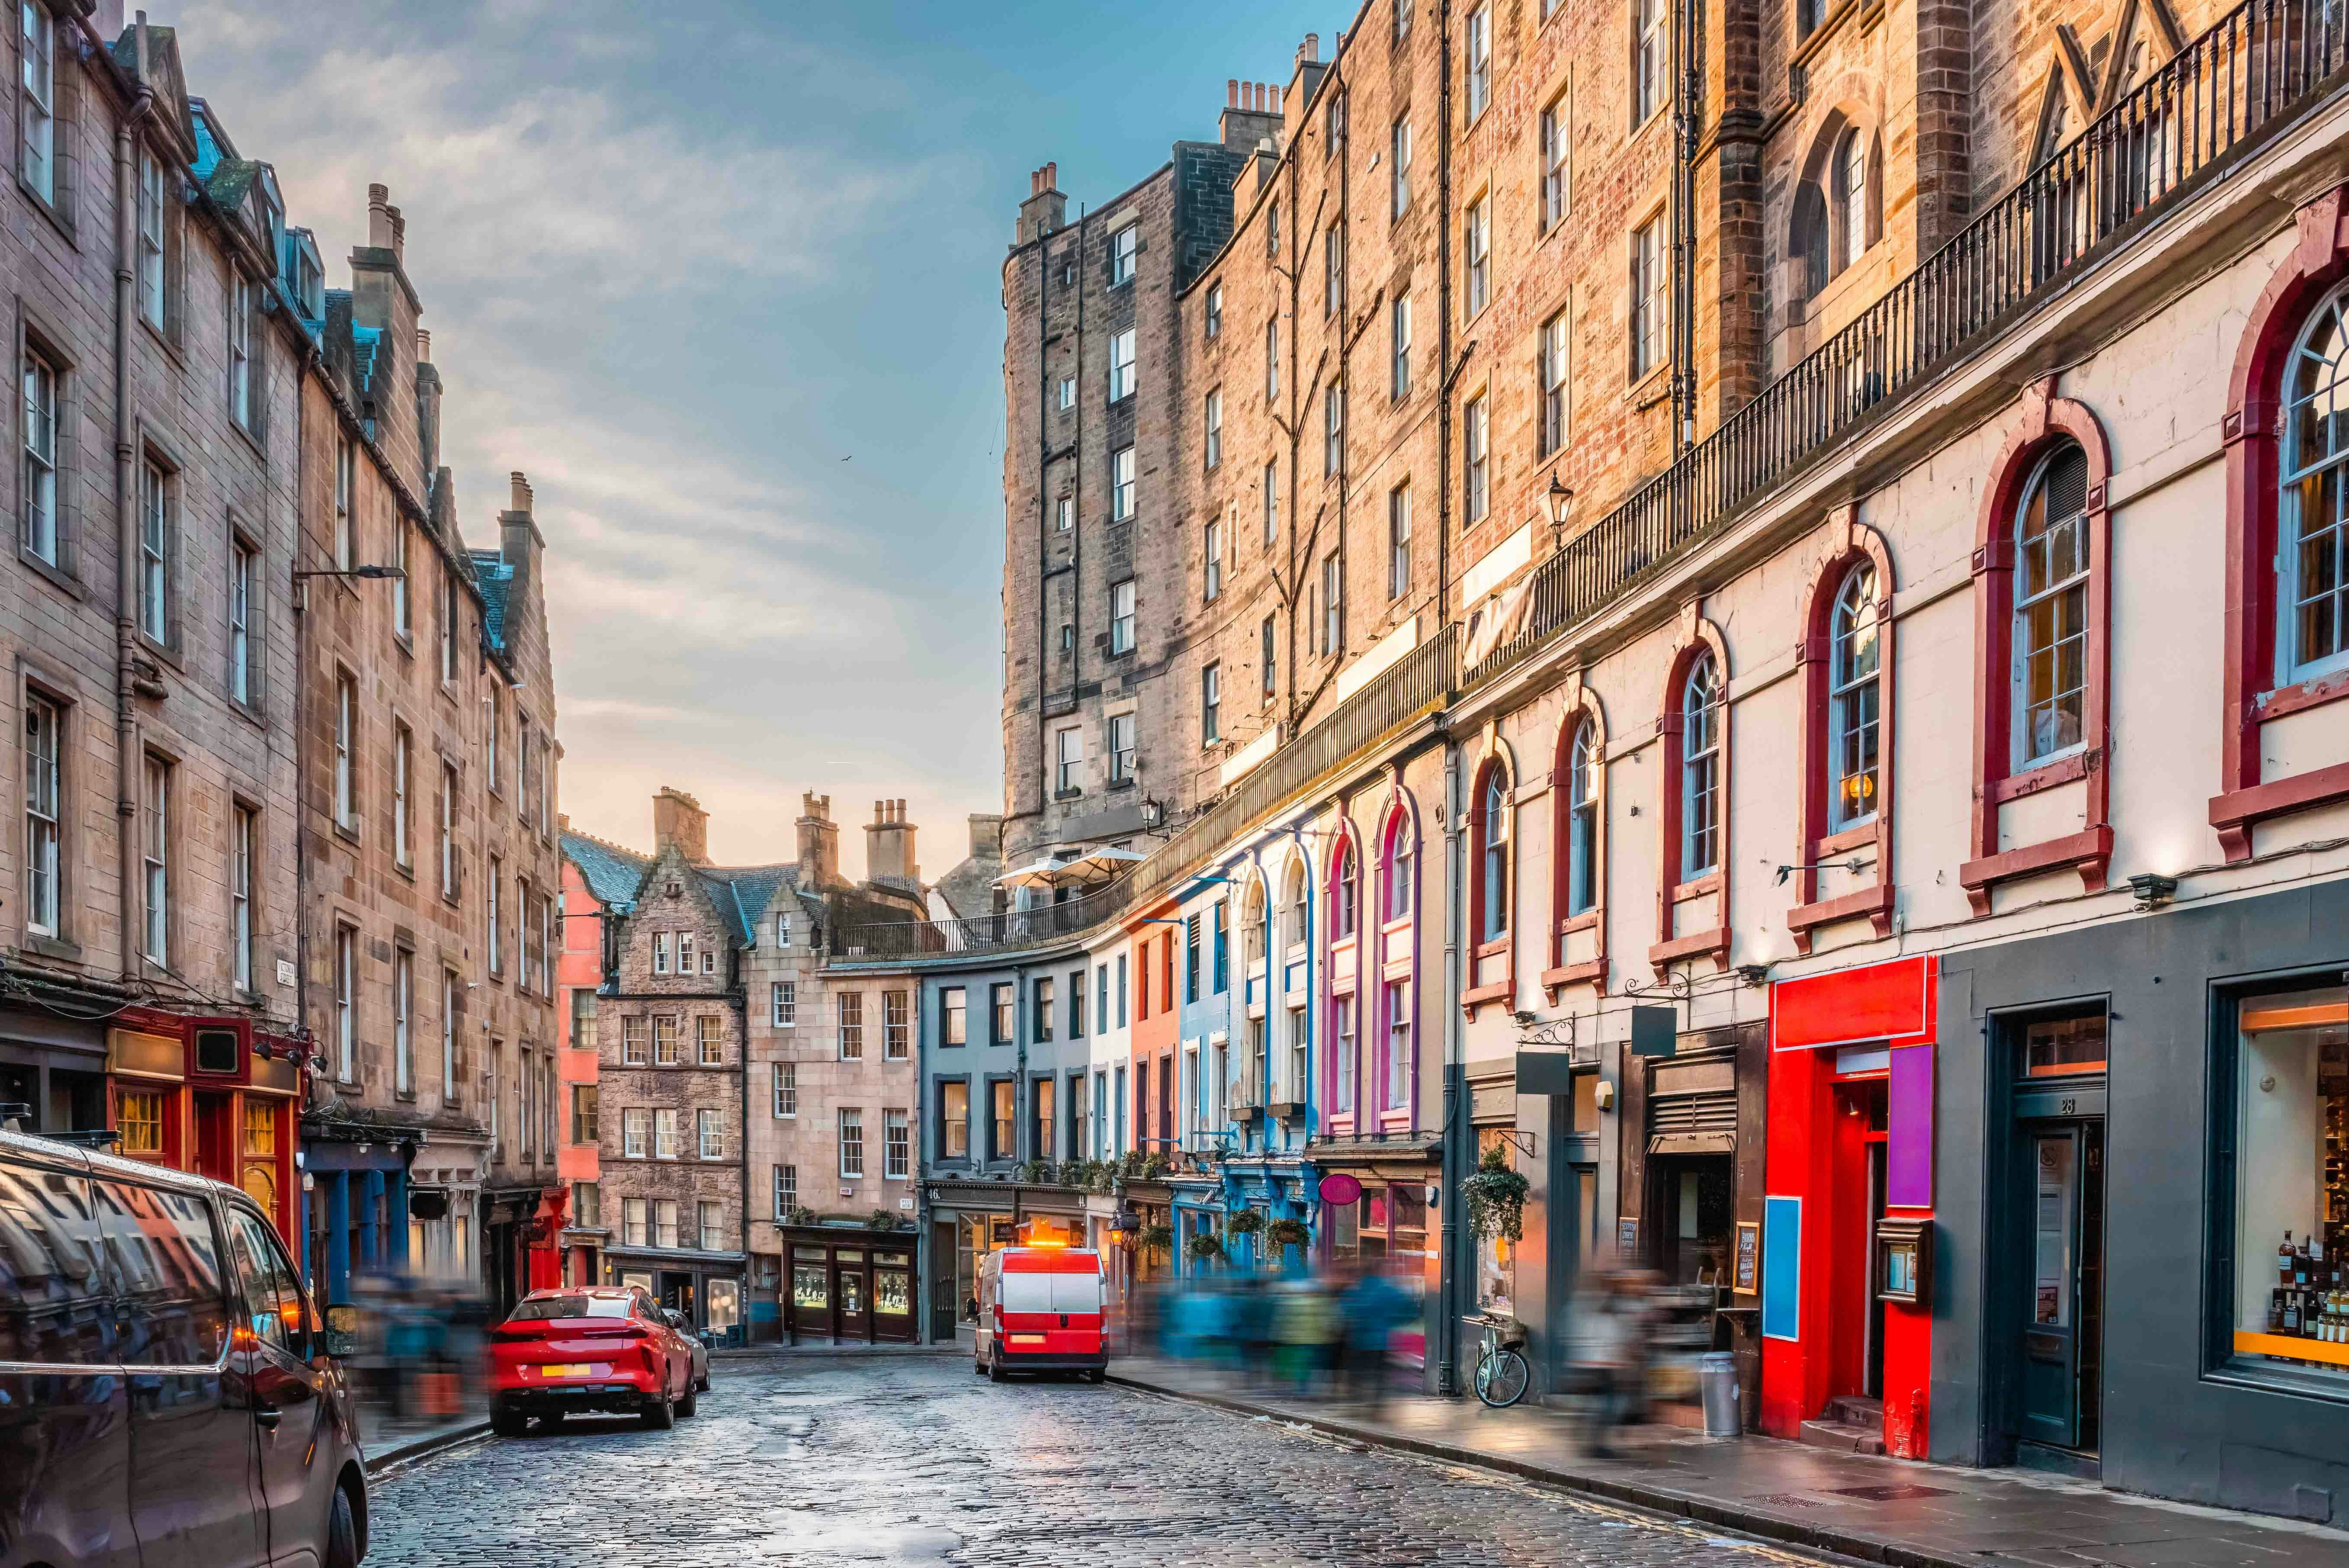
[2250, 73]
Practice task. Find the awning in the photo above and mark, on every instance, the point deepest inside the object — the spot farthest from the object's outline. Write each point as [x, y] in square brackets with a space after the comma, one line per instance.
[1038, 873]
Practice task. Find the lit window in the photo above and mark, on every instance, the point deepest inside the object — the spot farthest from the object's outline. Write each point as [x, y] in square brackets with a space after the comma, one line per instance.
[2289, 1082]
[896, 1025]
[138, 1117]
[1852, 700]
[665, 1040]
[710, 1039]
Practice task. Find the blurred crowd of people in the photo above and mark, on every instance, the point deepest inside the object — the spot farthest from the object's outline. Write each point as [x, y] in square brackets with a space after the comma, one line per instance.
[421, 1346]
[1334, 1332]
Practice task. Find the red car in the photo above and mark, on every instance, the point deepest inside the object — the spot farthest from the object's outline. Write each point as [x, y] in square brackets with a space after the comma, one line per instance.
[582, 1348]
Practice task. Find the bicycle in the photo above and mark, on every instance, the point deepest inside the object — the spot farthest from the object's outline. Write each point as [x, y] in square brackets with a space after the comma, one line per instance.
[1502, 1374]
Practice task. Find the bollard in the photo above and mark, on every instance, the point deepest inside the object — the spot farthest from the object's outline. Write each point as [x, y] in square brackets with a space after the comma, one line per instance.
[1717, 1378]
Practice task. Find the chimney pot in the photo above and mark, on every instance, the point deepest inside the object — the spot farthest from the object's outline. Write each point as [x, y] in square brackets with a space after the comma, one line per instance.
[1053, 175]
[521, 493]
[423, 347]
[1312, 45]
[379, 235]
[1231, 92]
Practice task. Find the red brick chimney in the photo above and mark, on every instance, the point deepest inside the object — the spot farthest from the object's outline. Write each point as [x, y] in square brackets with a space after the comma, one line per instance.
[678, 820]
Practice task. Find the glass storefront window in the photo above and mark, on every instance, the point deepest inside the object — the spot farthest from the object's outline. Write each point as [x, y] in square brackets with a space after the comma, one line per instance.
[2052, 1048]
[808, 1289]
[893, 1291]
[140, 1121]
[1496, 1255]
[725, 1304]
[2292, 1204]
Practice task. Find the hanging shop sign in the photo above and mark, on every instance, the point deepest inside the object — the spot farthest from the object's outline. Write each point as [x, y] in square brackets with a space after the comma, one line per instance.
[1884, 1004]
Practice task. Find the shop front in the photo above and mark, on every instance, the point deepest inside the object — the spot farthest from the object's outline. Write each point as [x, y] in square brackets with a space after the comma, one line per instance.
[967, 1219]
[1842, 1264]
[2144, 1192]
[706, 1286]
[357, 1209]
[1385, 1218]
[1693, 1126]
[54, 1066]
[217, 1097]
[849, 1284]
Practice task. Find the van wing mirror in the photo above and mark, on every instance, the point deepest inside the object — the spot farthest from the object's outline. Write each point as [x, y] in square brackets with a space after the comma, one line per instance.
[341, 1337]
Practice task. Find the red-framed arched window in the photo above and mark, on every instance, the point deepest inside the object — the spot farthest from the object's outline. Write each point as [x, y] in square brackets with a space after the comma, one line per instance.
[2287, 436]
[1846, 668]
[2043, 599]
[1577, 948]
[1389, 1004]
[1491, 885]
[1693, 882]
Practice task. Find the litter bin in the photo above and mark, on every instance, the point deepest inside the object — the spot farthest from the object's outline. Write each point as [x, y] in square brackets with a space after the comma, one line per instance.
[1717, 1380]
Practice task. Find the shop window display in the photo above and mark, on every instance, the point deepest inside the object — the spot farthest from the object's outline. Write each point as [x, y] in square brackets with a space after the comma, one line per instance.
[2292, 1204]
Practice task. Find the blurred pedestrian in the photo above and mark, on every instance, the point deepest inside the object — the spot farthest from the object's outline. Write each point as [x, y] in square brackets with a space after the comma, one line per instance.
[1372, 1306]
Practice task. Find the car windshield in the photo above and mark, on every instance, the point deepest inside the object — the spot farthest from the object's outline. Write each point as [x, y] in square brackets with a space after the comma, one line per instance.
[551, 1306]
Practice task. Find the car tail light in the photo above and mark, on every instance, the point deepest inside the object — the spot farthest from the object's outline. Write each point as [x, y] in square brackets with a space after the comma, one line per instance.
[516, 1333]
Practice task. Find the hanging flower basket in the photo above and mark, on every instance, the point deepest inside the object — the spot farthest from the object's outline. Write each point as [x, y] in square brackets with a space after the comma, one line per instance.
[1496, 1198]
[1246, 1222]
[1157, 1238]
[1204, 1248]
[1288, 1234]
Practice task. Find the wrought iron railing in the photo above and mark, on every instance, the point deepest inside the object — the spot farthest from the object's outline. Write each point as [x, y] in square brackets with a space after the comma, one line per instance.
[2252, 73]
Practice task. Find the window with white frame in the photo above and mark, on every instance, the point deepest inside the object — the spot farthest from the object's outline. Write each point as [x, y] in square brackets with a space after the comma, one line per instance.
[1272, 227]
[685, 953]
[402, 747]
[1213, 313]
[447, 813]
[1123, 247]
[403, 1040]
[44, 815]
[849, 1009]
[347, 520]
[1648, 285]
[783, 929]
[1333, 268]
[2312, 566]
[346, 983]
[155, 508]
[660, 952]
[1399, 343]
[1852, 696]
[1582, 821]
[1701, 770]
[153, 191]
[713, 1227]
[1267, 654]
[665, 1040]
[1480, 59]
[784, 1090]
[896, 1145]
[1333, 431]
[1121, 748]
[2051, 609]
[787, 1191]
[36, 97]
[240, 303]
[1213, 420]
[1212, 562]
[39, 531]
[489, 738]
[666, 1124]
[1121, 365]
[402, 602]
[156, 842]
[1271, 361]
[1069, 760]
[1648, 63]
[347, 719]
[1851, 181]
[1333, 124]
[244, 833]
[709, 1039]
[896, 1025]
[635, 1042]
[633, 1228]
[1495, 816]
[451, 988]
[1398, 1030]
[1271, 501]
[1333, 605]
[1477, 459]
[1300, 1051]
[1211, 705]
[1399, 541]
[1557, 150]
[784, 1003]
[1476, 236]
[1399, 167]
[709, 1135]
[242, 564]
[1064, 514]
[1553, 385]
[710, 958]
[1120, 617]
[852, 1141]
[1120, 485]
[636, 1134]
[665, 1233]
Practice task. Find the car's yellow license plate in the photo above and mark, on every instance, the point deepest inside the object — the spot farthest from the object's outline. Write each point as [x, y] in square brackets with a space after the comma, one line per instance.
[1027, 1339]
[564, 1369]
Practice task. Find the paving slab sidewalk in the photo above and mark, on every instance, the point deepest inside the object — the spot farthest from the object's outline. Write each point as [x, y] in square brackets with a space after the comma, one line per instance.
[1877, 1510]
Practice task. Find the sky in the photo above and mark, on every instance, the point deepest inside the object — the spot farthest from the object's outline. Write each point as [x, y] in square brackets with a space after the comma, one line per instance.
[724, 279]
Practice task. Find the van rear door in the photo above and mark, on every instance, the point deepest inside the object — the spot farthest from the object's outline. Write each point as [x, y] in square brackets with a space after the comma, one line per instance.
[1077, 1303]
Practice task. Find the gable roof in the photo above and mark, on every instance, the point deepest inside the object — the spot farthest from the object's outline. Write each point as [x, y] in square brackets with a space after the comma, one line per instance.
[614, 874]
[743, 894]
[495, 576]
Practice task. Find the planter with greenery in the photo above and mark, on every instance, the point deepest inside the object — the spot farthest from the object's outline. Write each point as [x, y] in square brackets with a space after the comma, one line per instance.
[1156, 1238]
[1287, 1234]
[1496, 1198]
[1246, 1222]
[885, 1220]
[1205, 1247]
[799, 1214]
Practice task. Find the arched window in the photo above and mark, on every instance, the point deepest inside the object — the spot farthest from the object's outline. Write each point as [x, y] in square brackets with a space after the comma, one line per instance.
[1493, 814]
[2312, 512]
[1252, 932]
[1582, 821]
[1294, 901]
[1399, 865]
[1345, 892]
[1852, 701]
[1701, 770]
[1809, 239]
[2051, 609]
[1851, 195]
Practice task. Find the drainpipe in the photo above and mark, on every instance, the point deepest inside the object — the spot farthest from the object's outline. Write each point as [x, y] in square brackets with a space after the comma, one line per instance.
[126, 544]
[1454, 1082]
[740, 998]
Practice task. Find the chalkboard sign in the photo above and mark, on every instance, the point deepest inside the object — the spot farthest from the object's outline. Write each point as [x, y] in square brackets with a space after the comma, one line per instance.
[1749, 1257]
[1627, 1236]
[1782, 1268]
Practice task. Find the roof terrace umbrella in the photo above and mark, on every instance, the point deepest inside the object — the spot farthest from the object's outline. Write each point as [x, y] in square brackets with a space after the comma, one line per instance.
[1041, 873]
[1100, 865]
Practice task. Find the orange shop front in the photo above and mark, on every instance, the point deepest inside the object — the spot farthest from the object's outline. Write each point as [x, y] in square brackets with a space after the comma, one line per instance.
[214, 1096]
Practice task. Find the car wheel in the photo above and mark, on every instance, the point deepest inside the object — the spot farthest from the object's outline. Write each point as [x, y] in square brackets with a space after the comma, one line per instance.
[703, 1383]
[509, 1423]
[691, 1402]
[994, 1372]
[1097, 1375]
[342, 1532]
[978, 1367]
[661, 1415]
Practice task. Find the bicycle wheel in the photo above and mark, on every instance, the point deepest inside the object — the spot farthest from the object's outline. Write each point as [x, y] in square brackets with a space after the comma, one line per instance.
[1501, 1378]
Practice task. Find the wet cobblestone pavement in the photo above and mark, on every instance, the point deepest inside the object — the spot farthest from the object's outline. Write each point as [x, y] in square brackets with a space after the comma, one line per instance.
[910, 1460]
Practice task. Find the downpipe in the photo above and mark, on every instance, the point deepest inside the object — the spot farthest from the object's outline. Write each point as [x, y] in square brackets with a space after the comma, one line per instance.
[1450, 1274]
[126, 543]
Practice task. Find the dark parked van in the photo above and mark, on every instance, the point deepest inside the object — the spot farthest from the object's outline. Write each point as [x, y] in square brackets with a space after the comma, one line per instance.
[168, 1394]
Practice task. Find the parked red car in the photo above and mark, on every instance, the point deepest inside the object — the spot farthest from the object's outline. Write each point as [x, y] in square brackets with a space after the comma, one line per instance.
[568, 1351]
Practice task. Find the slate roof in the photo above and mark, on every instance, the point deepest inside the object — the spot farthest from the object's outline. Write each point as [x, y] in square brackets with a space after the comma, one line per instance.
[746, 892]
[614, 874]
[495, 577]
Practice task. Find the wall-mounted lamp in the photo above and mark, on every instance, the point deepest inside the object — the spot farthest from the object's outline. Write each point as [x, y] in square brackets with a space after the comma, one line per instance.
[2153, 889]
[1604, 1095]
[1753, 974]
[1561, 497]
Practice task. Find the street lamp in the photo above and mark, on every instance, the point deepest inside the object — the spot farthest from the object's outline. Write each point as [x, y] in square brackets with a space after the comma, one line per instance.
[1561, 497]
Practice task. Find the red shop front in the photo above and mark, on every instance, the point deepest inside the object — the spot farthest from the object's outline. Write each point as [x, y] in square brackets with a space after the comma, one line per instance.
[1848, 1220]
[218, 1097]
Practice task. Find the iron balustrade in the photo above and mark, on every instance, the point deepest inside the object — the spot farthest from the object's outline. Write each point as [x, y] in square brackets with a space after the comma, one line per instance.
[2247, 77]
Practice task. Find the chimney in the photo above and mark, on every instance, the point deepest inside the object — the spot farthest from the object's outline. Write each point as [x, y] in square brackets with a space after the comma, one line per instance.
[819, 843]
[520, 544]
[1306, 79]
[679, 821]
[398, 235]
[1251, 115]
[1046, 211]
[889, 848]
[985, 836]
[423, 345]
[427, 402]
[379, 220]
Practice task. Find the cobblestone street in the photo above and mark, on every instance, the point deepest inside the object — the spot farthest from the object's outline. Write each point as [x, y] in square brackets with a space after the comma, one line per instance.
[910, 1460]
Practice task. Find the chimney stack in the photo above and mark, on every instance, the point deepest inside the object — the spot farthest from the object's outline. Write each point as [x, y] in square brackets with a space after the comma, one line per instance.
[379, 223]
[679, 821]
[819, 843]
[889, 848]
[1046, 211]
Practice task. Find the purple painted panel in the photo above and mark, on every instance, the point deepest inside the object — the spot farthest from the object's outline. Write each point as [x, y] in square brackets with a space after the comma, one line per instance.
[1909, 1140]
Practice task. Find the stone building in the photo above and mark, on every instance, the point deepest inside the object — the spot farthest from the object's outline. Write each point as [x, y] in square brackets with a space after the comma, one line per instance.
[430, 870]
[748, 1106]
[148, 930]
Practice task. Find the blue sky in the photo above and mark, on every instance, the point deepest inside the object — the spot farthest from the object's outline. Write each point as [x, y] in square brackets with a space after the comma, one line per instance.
[724, 278]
